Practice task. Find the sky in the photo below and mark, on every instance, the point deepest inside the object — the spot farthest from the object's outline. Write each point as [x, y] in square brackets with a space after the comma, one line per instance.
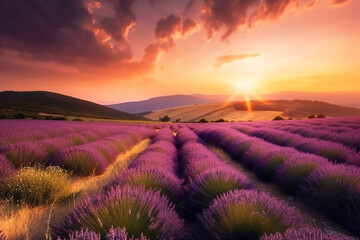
[111, 51]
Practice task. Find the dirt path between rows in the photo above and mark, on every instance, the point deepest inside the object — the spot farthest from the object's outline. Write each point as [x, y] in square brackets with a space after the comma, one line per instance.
[312, 216]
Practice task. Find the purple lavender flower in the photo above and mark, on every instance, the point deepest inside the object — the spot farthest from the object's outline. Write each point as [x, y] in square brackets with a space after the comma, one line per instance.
[121, 234]
[6, 168]
[150, 178]
[186, 135]
[165, 134]
[25, 154]
[245, 214]
[136, 209]
[82, 161]
[267, 164]
[307, 233]
[211, 184]
[335, 190]
[83, 235]
[293, 171]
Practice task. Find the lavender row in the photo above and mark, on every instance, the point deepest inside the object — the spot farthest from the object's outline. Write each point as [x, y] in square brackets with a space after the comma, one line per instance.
[85, 159]
[228, 204]
[13, 131]
[335, 152]
[93, 158]
[136, 202]
[331, 188]
[348, 138]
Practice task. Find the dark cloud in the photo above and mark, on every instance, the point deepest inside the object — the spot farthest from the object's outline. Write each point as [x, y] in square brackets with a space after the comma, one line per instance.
[118, 26]
[232, 58]
[188, 27]
[171, 27]
[55, 30]
[233, 14]
[81, 33]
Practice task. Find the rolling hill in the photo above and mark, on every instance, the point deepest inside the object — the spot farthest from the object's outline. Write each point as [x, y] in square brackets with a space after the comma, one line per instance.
[35, 103]
[163, 102]
[349, 99]
[237, 111]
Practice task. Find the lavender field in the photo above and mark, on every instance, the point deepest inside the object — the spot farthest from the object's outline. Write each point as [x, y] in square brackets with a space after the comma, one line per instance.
[296, 179]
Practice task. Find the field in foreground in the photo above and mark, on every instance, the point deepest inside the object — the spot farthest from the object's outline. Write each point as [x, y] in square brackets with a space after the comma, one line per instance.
[263, 180]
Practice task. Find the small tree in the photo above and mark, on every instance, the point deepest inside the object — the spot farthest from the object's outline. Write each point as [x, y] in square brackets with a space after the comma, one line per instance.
[321, 116]
[220, 120]
[178, 120]
[277, 118]
[166, 118]
[203, 120]
[20, 116]
[311, 116]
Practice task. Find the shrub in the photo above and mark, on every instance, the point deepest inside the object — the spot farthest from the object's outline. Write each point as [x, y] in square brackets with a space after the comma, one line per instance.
[25, 154]
[137, 210]
[6, 168]
[165, 118]
[77, 120]
[20, 116]
[36, 186]
[304, 233]
[277, 118]
[267, 164]
[321, 116]
[220, 120]
[335, 190]
[212, 183]
[77, 139]
[311, 116]
[81, 161]
[293, 171]
[203, 120]
[150, 178]
[245, 214]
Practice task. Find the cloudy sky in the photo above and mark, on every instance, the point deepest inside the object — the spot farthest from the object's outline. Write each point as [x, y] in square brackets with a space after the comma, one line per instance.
[111, 51]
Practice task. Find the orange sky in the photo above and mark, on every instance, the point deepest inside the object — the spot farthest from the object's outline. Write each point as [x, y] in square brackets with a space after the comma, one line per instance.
[113, 51]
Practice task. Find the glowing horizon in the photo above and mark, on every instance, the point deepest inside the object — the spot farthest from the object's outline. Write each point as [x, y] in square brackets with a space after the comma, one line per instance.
[127, 50]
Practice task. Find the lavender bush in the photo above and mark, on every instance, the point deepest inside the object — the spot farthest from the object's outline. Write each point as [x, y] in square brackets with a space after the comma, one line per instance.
[335, 190]
[138, 210]
[150, 178]
[212, 183]
[7, 169]
[81, 161]
[246, 214]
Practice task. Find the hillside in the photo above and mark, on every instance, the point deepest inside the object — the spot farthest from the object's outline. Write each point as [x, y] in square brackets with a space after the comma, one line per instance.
[349, 99]
[163, 102]
[41, 102]
[237, 111]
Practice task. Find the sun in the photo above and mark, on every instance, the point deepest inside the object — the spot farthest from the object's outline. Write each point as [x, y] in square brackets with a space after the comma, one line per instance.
[246, 89]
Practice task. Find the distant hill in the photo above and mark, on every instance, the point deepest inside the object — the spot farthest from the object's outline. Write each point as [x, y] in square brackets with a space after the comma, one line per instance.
[350, 99]
[157, 103]
[35, 102]
[237, 111]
